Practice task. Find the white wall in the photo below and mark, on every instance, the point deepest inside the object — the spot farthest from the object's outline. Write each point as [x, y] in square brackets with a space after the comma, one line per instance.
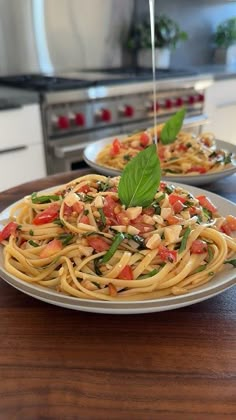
[86, 34]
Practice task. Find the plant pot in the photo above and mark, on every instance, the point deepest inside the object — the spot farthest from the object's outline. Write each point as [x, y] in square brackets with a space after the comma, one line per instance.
[162, 58]
[226, 56]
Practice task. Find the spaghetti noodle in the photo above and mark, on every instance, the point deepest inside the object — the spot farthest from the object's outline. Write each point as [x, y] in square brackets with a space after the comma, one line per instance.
[188, 155]
[81, 241]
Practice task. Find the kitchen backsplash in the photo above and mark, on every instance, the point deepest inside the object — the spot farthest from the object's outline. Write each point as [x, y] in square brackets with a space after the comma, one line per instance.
[199, 19]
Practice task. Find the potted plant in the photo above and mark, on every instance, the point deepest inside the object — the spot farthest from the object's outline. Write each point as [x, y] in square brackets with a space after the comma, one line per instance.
[225, 42]
[167, 35]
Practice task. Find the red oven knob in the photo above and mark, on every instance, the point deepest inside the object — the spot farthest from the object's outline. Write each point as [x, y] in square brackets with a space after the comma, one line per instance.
[200, 97]
[128, 111]
[80, 119]
[179, 102]
[63, 122]
[168, 104]
[191, 100]
[104, 115]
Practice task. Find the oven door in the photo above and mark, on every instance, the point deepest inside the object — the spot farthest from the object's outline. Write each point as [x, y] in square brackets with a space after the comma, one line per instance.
[67, 157]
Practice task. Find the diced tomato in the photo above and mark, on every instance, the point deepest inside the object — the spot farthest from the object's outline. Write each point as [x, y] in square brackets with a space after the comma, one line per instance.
[144, 139]
[85, 189]
[182, 147]
[143, 227]
[8, 230]
[67, 210]
[166, 254]
[122, 218]
[198, 247]
[231, 222]
[47, 215]
[115, 147]
[78, 207]
[97, 243]
[126, 273]
[199, 169]
[109, 205]
[194, 210]
[173, 220]
[206, 203]
[149, 211]
[226, 229]
[175, 197]
[178, 206]
[84, 219]
[162, 185]
[51, 248]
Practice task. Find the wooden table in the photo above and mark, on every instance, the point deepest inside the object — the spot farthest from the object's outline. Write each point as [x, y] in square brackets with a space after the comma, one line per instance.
[58, 363]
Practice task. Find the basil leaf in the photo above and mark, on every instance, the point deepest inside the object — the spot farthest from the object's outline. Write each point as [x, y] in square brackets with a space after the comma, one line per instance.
[103, 218]
[233, 262]
[32, 243]
[140, 179]
[200, 269]
[172, 127]
[43, 198]
[116, 242]
[184, 240]
[65, 238]
[150, 274]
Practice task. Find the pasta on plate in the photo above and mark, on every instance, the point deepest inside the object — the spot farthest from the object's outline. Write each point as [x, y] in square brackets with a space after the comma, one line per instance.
[187, 155]
[82, 241]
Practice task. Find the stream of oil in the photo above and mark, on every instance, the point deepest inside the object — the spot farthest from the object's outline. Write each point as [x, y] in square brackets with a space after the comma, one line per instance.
[152, 24]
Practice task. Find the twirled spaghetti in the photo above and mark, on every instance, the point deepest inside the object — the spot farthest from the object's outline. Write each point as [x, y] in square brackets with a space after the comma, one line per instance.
[188, 155]
[80, 240]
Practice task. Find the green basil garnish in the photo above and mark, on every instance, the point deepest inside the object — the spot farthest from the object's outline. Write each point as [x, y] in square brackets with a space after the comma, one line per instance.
[172, 127]
[59, 222]
[119, 237]
[65, 238]
[199, 269]
[140, 179]
[150, 274]
[103, 218]
[233, 262]
[43, 198]
[32, 243]
[184, 240]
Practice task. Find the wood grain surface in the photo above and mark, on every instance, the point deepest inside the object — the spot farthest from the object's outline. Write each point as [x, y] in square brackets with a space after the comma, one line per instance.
[58, 363]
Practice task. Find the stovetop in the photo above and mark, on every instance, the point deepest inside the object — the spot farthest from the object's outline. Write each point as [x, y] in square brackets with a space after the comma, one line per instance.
[83, 79]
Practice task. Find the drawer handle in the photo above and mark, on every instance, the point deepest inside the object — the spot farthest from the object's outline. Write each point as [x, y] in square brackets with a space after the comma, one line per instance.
[225, 104]
[12, 149]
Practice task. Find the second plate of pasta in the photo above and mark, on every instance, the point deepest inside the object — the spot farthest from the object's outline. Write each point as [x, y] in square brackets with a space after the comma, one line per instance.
[96, 155]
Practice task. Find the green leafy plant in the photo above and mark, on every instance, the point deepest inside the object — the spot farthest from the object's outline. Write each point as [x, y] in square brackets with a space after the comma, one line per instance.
[167, 34]
[225, 34]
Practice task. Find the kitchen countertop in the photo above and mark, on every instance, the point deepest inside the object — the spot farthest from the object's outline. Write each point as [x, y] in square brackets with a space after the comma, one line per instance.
[218, 72]
[62, 364]
[22, 97]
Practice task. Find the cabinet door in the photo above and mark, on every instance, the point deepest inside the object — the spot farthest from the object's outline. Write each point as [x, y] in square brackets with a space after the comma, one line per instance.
[220, 106]
[21, 165]
[223, 122]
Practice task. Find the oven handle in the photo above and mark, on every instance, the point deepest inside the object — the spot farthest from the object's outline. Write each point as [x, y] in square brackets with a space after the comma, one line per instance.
[195, 121]
[62, 152]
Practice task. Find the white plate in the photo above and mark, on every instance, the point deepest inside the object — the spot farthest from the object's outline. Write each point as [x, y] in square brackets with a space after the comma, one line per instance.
[92, 150]
[221, 281]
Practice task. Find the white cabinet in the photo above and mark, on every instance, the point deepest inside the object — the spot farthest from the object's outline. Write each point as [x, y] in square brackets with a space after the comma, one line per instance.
[21, 146]
[220, 106]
